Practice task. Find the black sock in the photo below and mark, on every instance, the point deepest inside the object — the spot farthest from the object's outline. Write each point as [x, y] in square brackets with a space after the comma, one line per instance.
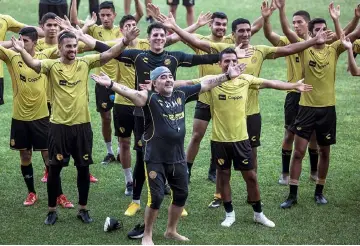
[286, 156]
[53, 185]
[228, 207]
[28, 174]
[293, 190]
[138, 175]
[314, 156]
[319, 189]
[83, 184]
[256, 206]
[189, 165]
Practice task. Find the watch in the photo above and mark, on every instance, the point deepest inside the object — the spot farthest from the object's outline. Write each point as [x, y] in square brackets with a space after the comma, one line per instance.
[227, 76]
[111, 85]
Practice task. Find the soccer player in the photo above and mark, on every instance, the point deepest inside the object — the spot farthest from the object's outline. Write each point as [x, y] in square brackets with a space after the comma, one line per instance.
[353, 68]
[70, 131]
[188, 4]
[164, 114]
[29, 126]
[51, 30]
[230, 141]
[58, 7]
[317, 108]
[93, 8]
[242, 33]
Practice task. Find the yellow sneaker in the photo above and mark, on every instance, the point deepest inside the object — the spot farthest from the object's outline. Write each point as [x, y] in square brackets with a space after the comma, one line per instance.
[184, 213]
[132, 209]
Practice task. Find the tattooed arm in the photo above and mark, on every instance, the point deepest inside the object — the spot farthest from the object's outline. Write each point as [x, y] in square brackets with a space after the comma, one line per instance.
[137, 97]
[233, 72]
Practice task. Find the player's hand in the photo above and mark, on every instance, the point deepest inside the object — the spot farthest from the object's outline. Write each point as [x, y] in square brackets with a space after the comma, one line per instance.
[63, 23]
[357, 11]
[153, 10]
[91, 21]
[321, 37]
[131, 34]
[18, 44]
[101, 79]
[146, 85]
[204, 19]
[334, 12]
[243, 53]
[280, 3]
[168, 21]
[235, 71]
[330, 36]
[346, 42]
[301, 87]
[266, 9]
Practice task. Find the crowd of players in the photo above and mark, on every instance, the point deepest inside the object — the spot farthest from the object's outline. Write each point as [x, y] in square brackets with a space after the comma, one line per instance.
[136, 78]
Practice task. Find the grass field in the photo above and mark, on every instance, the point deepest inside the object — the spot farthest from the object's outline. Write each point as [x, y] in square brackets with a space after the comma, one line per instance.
[335, 223]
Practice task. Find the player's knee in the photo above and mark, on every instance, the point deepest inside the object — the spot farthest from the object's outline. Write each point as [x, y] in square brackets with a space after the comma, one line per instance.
[173, 8]
[324, 153]
[299, 154]
[25, 157]
[125, 143]
[106, 117]
[190, 9]
[155, 200]
[289, 138]
[179, 198]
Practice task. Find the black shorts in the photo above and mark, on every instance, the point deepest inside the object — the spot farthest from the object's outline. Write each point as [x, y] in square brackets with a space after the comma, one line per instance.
[138, 132]
[186, 3]
[321, 120]
[59, 10]
[202, 111]
[177, 176]
[1, 91]
[223, 154]
[27, 135]
[104, 98]
[66, 141]
[253, 123]
[291, 108]
[124, 122]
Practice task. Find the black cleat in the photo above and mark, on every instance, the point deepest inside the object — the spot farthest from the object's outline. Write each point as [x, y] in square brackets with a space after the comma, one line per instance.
[290, 201]
[84, 216]
[108, 158]
[51, 218]
[212, 177]
[167, 190]
[137, 232]
[320, 199]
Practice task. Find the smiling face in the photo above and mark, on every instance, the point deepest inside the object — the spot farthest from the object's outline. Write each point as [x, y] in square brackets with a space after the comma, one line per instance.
[164, 84]
[157, 39]
[218, 27]
[242, 34]
[68, 48]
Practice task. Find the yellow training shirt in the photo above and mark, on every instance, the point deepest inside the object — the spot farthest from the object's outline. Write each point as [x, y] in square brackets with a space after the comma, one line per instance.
[69, 92]
[41, 45]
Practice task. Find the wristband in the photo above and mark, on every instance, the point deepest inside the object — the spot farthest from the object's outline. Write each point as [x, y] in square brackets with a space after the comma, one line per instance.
[228, 76]
[111, 85]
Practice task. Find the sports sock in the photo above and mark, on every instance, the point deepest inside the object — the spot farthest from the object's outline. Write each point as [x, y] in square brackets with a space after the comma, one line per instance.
[109, 148]
[293, 190]
[138, 175]
[27, 172]
[53, 185]
[136, 201]
[228, 207]
[314, 156]
[128, 175]
[256, 206]
[83, 184]
[319, 189]
[286, 156]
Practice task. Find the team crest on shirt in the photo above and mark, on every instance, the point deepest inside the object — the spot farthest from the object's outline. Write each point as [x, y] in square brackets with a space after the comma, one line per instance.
[12, 142]
[122, 129]
[20, 64]
[161, 103]
[104, 105]
[152, 174]
[221, 161]
[253, 60]
[139, 143]
[86, 157]
[167, 62]
[178, 100]
[59, 157]
[246, 161]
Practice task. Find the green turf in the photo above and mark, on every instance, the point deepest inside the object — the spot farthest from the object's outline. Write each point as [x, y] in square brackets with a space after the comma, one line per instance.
[335, 223]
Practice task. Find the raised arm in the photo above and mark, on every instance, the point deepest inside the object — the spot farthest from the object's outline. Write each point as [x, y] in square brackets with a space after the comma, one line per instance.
[139, 12]
[279, 85]
[18, 45]
[335, 15]
[353, 68]
[350, 27]
[73, 13]
[139, 98]
[169, 22]
[233, 72]
[291, 35]
[300, 46]
[89, 22]
[266, 12]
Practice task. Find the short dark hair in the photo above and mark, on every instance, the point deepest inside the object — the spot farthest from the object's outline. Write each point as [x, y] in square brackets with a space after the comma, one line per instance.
[64, 35]
[226, 51]
[315, 21]
[219, 15]
[47, 16]
[303, 14]
[29, 32]
[126, 18]
[238, 22]
[155, 25]
[107, 5]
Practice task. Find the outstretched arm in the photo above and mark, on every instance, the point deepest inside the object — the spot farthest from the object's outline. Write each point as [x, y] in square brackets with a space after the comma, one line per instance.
[279, 85]
[137, 97]
[18, 45]
[291, 35]
[233, 72]
[353, 68]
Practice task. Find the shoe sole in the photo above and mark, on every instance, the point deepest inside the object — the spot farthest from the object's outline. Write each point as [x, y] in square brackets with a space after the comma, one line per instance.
[86, 222]
[136, 237]
[214, 206]
[294, 203]
[130, 215]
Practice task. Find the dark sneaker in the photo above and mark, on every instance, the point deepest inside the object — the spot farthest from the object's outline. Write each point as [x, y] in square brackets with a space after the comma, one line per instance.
[215, 203]
[137, 232]
[290, 201]
[212, 177]
[320, 199]
[112, 224]
[129, 189]
[167, 190]
[84, 216]
[108, 158]
[51, 218]
[118, 157]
